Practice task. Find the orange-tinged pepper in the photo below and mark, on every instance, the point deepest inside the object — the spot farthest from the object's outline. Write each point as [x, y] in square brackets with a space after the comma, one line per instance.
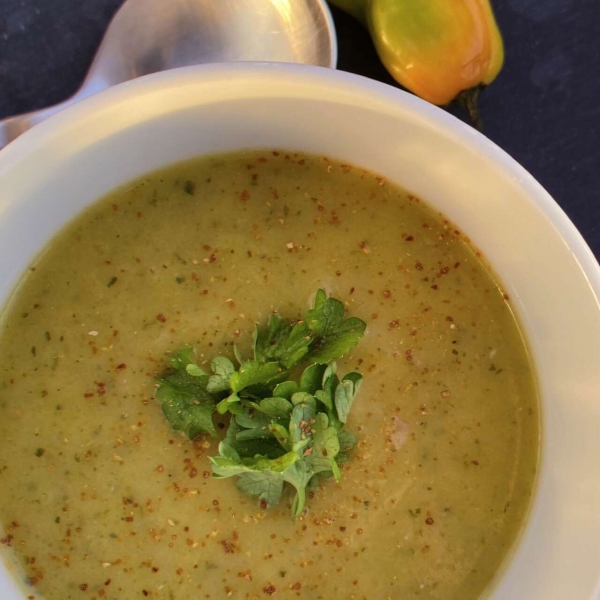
[435, 48]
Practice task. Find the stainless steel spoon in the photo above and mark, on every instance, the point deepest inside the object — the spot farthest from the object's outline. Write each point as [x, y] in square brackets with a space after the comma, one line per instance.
[146, 36]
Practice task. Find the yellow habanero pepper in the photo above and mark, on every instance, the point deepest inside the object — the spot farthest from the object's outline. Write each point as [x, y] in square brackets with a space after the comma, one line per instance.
[435, 48]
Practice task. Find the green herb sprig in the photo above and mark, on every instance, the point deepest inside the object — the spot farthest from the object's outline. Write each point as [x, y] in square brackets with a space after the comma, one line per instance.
[280, 430]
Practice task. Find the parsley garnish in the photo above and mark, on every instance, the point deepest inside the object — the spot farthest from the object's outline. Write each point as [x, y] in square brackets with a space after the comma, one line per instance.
[280, 430]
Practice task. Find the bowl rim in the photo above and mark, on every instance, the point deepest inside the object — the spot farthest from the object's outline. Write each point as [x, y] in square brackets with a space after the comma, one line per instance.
[379, 94]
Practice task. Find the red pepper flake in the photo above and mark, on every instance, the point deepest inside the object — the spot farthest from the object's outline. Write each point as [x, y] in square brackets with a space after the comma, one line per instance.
[275, 153]
[264, 504]
[121, 367]
[206, 474]
[107, 582]
[387, 294]
[88, 395]
[429, 521]
[245, 196]
[7, 541]
[154, 569]
[83, 587]
[101, 389]
[444, 271]
[145, 592]
[449, 318]
[227, 547]
[418, 266]
[505, 296]
[193, 472]
[215, 503]
[409, 355]
[409, 238]
[394, 325]
[475, 462]
[160, 317]
[212, 258]
[296, 586]
[270, 590]
[446, 394]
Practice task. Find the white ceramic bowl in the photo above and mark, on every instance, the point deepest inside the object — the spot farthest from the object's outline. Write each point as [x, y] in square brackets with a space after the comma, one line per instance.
[62, 165]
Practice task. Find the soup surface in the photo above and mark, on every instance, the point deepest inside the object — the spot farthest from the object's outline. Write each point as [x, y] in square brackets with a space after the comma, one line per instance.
[102, 499]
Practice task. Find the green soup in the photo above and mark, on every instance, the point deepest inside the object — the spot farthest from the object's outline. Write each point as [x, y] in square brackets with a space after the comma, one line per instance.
[102, 499]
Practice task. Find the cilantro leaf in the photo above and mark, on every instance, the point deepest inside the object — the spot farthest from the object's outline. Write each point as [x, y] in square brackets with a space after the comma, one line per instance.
[312, 378]
[237, 354]
[347, 442]
[298, 475]
[253, 372]
[196, 371]
[326, 444]
[223, 369]
[305, 408]
[281, 342]
[282, 435]
[329, 384]
[186, 404]
[182, 358]
[250, 419]
[227, 404]
[322, 336]
[275, 407]
[333, 336]
[325, 448]
[253, 434]
[285, 389]
[345, 393]
[223, 466]
[266, 485]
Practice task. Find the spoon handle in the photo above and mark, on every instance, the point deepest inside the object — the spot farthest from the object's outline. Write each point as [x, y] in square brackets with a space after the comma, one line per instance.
[12, 127]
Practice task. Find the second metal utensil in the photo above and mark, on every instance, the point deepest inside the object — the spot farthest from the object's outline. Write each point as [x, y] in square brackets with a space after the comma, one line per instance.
[146, 36]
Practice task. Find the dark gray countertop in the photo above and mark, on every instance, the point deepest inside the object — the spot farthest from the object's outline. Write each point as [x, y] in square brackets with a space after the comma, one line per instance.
[544, 109]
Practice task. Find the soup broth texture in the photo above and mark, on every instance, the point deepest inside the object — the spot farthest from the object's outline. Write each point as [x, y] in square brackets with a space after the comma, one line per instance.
[101, 499]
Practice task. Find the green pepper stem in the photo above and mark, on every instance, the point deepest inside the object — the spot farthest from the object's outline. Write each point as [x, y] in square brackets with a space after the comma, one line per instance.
[469, 100]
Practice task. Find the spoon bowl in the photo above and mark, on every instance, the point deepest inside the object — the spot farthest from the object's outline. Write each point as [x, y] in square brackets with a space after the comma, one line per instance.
[147, 36]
